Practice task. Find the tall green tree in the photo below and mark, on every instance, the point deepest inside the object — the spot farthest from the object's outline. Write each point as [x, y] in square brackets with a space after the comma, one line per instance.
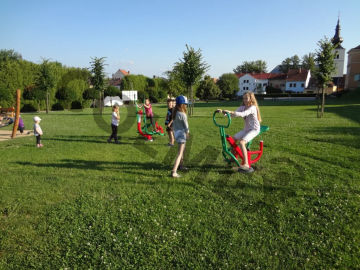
[308, 62]
[98, 78]
[292, 62]
[258, 66]
[325, 55]
[208, 89]
[228, 84]
[190, 70]
[46, 80]
[6, 55]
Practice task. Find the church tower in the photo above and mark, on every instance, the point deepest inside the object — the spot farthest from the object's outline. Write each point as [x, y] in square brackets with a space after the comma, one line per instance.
[340, 53]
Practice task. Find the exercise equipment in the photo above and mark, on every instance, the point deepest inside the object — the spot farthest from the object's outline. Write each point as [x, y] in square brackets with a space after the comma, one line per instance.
[144, 130]
[233, 152]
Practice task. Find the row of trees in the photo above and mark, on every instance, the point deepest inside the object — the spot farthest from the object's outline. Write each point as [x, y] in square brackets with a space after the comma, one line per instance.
[293, 62]
[51, 83]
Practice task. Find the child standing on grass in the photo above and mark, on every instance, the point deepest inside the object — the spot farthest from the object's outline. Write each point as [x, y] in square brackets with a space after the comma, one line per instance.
[249, 110]
[38, 131]
[169, 121]
[115, 118]
[181, 132]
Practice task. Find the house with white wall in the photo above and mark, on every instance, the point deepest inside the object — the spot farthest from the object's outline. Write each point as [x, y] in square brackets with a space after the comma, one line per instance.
[297, 80]
[120, 74]
[255, 83]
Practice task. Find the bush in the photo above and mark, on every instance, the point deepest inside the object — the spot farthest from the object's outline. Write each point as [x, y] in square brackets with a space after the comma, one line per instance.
[76, 105]
[28, 107]
[57, 107]
[86, 103]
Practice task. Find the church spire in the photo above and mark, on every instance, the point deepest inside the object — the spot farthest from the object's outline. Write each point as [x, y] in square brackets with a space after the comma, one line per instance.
[337, 40]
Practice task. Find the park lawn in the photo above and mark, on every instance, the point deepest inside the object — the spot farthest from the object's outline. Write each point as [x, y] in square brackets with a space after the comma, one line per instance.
[80, 202]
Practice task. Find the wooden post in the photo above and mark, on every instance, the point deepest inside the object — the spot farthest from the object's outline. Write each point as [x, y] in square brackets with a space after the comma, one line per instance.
[16, 122]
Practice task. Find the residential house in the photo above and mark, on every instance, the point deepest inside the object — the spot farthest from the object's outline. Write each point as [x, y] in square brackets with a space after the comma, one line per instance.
[297, 80]
[353, 69]
[254, 82]
[117, 77]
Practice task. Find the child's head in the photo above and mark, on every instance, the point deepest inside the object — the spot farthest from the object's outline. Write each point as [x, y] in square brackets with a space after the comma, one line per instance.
[181, 102]
[147, 101]
[37, 119]
[249, 99]
[115, 108]
[170, 103]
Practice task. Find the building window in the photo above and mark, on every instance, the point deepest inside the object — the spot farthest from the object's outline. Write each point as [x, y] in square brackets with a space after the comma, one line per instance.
[302, 85]
[357, 77]
[264, 84]
[290, 85]
[294, 84]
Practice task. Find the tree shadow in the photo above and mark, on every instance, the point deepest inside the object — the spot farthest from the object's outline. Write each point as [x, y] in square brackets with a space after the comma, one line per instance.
[348, 142]
[351, 112]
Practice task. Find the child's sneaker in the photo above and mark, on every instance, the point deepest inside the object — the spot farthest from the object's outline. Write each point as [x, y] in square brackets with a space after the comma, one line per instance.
[175, 175]
[170, 144]
[38, 146]
[41, 145]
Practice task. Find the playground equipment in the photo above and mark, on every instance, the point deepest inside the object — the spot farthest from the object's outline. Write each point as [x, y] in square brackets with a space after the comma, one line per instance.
[8, 114]
[233, 153]
[144, 130]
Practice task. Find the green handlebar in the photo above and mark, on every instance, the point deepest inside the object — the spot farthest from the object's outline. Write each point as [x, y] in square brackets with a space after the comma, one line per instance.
[229, 120]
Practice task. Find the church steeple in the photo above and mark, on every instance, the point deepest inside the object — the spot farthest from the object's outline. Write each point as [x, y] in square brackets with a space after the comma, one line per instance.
[337, 40]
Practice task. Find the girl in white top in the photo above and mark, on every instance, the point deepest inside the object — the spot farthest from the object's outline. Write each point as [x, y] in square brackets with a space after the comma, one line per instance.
[249, 110]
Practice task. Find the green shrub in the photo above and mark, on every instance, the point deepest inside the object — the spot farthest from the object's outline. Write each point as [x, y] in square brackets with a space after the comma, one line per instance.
[57, 107]
[76, 105]
[28, 107]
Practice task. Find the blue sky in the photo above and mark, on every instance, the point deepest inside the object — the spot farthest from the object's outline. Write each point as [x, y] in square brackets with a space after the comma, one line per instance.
[148, 37]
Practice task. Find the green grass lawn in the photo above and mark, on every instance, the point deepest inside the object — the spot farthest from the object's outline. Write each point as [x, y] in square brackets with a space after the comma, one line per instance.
[82, 203]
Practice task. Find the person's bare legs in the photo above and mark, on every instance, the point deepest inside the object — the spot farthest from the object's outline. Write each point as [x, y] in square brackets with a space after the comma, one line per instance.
[178, 160]
[244, 151]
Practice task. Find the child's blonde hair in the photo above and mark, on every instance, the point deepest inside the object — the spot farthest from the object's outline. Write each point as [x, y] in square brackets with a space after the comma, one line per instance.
[253, 101]
[115, 107]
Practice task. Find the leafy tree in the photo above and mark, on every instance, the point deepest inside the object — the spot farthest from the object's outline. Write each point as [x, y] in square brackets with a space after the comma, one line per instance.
[97, 77]
[111, 91]
[6, 98]
[46, 80]
[308, 62]
[228, 84]
[258, 66]
[173, 84]
[134, 82]
[208, 89]
[325, 59]
[290, 63]
[6, 55]
[190, 70]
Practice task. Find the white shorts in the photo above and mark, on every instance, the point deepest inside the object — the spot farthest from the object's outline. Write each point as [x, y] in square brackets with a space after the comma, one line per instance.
[246, 135]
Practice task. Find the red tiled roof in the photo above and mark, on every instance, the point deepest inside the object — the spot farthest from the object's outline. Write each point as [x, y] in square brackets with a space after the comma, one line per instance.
[263, 76]
[123, 72]
[297, 75]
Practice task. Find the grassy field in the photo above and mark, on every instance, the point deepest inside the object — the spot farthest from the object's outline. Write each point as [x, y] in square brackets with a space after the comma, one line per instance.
[81, 203]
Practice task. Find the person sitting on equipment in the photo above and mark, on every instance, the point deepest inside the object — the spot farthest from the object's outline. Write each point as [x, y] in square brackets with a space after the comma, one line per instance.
[249, 110]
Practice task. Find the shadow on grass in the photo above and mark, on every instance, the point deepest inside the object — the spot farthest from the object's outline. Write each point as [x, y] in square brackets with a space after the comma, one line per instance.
[325, 132]
[351, 112]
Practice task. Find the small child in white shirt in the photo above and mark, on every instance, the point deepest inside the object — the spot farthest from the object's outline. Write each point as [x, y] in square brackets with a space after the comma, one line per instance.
[38, 131]
[115, 118]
